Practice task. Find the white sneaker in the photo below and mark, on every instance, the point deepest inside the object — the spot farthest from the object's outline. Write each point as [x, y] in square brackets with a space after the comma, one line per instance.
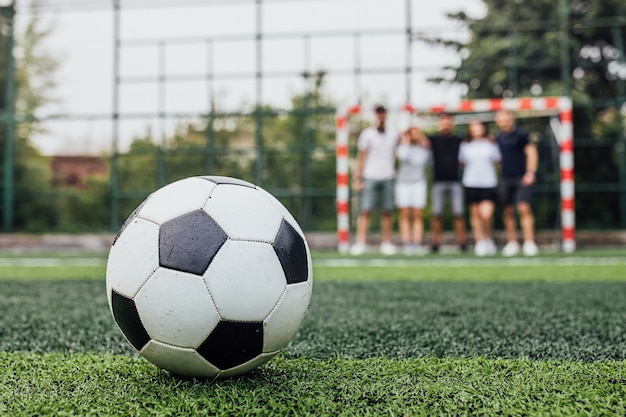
[408, 249]
[387, 248]
[358, 249]
[510, 249]
[480, 249]
[490, 247]
[419, 249]
[530, 248]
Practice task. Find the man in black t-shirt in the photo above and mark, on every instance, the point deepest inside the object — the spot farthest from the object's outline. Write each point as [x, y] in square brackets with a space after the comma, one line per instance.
[446, 181]
[519, 166]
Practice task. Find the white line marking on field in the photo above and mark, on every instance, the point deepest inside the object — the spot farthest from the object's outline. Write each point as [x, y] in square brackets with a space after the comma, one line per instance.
[51, 262]
[354, 262]
[463, 263]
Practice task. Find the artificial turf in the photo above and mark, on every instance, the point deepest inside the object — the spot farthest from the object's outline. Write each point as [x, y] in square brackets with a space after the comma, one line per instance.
[398, 319]
[418, 340]
[105, 384]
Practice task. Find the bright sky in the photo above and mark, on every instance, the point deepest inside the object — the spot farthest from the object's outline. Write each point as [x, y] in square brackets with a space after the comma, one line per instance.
[83, 41]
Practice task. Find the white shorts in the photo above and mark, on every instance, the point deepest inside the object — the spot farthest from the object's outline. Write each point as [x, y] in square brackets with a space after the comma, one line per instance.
[411, 194]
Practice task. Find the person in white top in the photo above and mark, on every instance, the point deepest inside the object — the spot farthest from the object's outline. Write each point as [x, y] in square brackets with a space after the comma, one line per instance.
[479, 155]
[374, 176]
[414, 156]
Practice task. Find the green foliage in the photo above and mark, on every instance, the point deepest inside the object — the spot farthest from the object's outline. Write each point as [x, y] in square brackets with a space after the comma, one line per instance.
[34, 80]
[517, 45]
[85, 209]
[34, 209]
[300, 156]
[297, 155]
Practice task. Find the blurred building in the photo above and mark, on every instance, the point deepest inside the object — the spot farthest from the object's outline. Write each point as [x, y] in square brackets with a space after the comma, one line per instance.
[72, 171]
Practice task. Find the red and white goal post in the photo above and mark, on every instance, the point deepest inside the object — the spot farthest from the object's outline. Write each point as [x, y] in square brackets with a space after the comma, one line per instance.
[561, 106]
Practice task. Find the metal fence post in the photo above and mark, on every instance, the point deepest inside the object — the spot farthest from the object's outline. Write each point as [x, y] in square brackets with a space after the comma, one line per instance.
[8, 12]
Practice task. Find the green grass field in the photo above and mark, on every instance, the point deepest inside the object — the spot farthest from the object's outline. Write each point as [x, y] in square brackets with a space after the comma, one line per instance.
[436, 335]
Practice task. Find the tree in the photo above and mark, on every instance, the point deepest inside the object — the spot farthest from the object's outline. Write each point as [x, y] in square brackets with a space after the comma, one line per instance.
[548, 47]
[34, 82]
[299, 154]
[515, 50]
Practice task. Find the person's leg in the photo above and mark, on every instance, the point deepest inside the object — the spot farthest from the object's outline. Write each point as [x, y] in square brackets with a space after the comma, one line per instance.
[525, 211]
[366, 203]
[486, 217]
[485, 213]
[527, 221]
[457, 211]
[388, 206]
[420, 197]
[512, 246]
[475, 223]
[418, 226]
[405, 225]
[508, 190]
[362, 227]
[508, 218]
[386, 227]
[459, 228]
[480, 247]
[435, 231]
[437, 207]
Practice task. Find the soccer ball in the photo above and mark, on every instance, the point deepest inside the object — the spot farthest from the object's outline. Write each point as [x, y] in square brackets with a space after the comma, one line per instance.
[209, 277]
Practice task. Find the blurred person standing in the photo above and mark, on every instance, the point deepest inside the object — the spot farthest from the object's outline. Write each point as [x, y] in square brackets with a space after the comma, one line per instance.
[519, 167]
[479, 154]
[411, 187]
[374, 178]
[446, 182]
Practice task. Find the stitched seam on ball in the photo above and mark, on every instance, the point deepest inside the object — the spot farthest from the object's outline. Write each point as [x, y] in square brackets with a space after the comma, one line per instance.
[145, 281]
[234, 239]
[206, 287]
[172, 345]
[277, 303]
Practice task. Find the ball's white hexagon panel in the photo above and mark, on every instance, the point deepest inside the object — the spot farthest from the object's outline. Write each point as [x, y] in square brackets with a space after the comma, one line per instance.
[243, 212]
[248, 366]
[176, 308]
[179, 361]
[246, 280]
[176, 199]
[133, 258]
[282, 210]
[284, 321]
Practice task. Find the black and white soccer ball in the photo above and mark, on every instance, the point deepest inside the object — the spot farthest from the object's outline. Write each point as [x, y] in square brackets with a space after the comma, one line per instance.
[209, 277]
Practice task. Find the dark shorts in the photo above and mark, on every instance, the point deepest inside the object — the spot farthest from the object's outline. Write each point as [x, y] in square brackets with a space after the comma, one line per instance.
[377, 191]
[512, 192]
[477, 195]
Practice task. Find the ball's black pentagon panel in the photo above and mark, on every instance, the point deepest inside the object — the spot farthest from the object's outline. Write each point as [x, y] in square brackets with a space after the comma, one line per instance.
[188, 243]
[127, 318]
[232, 343]
[292, 254]
[128, 220]
[228, 180]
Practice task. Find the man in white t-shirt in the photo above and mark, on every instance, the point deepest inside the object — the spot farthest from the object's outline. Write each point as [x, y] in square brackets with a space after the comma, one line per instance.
[374, 177]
